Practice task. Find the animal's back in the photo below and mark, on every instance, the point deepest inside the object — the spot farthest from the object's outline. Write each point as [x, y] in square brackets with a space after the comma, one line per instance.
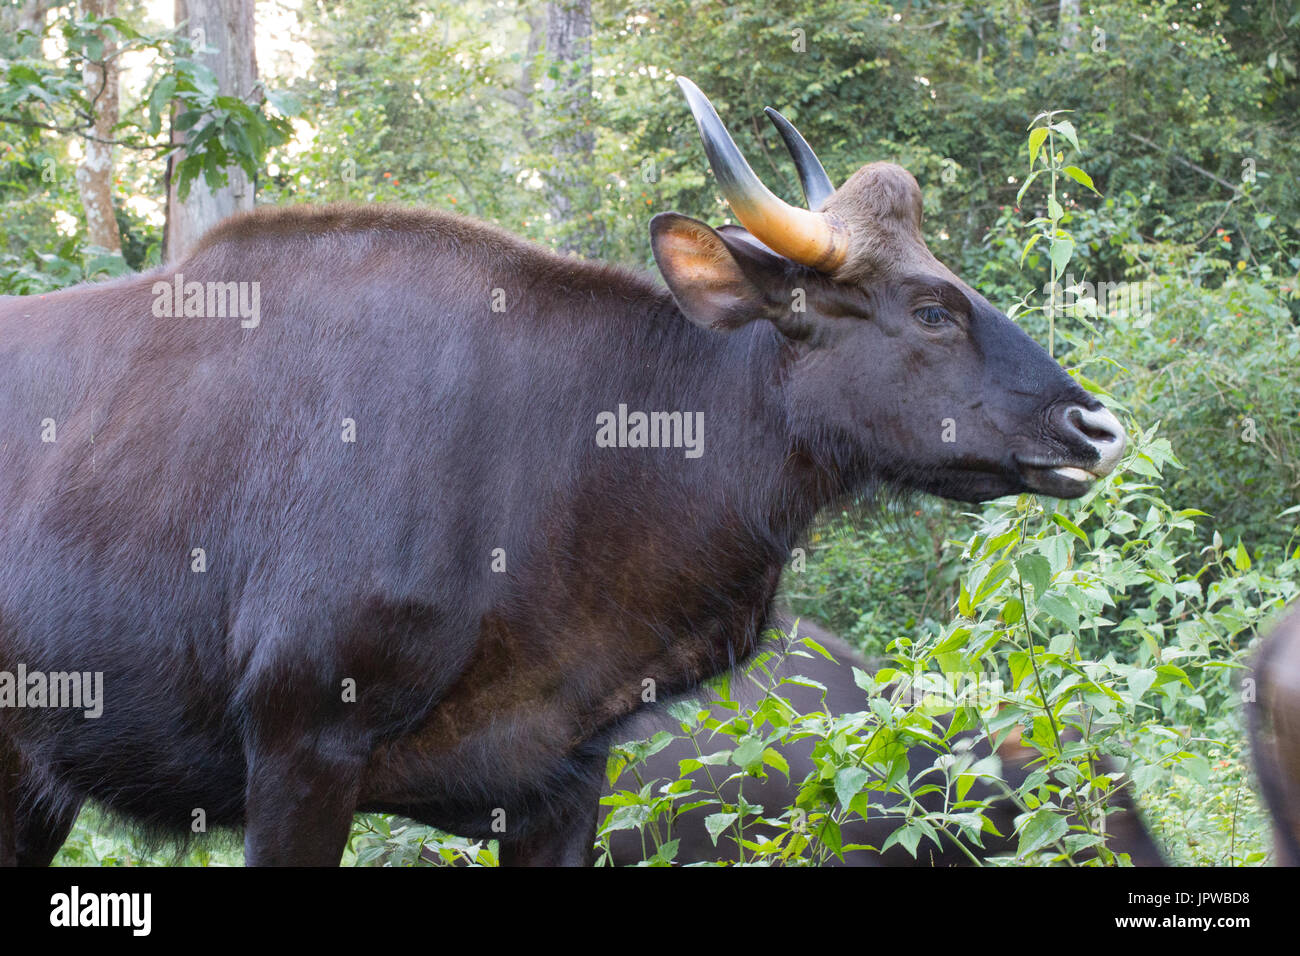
[197, 505]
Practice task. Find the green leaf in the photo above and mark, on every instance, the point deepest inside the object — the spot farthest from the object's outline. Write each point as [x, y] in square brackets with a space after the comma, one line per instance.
[159, 99]
[285, 103]
[1013, 611]
[204, 80]
[1080, 177]
[686, 711]
[800, 681]
[848, 781]
[775, 760]
[1036, 139]
[1066, 129]
[1036, 571]
[1064, 522]
[1025, 186]
[667, 852]
[1061, 609]
[818, 648]
[1167, 673]
[829, 833]
[1144, 775]
[614, 765]
[908, 836]
[1241, 557]
[1062, 251]
[716, 823]
[1001, 541]
[1021, 667]
[748, 753]
[1029, 245]
[954, 641]
[1196, 767]
[1043, 827]
[999, 572]
[1140, 681]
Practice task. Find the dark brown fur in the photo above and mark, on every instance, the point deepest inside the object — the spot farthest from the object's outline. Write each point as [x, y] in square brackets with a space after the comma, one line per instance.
[482, 698]
[1275, 734]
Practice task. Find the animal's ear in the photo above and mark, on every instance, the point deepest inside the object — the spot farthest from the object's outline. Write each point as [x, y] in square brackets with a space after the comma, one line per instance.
[719, 282]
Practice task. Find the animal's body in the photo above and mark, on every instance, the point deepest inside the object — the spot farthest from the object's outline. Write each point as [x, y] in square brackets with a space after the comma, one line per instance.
[369, 552]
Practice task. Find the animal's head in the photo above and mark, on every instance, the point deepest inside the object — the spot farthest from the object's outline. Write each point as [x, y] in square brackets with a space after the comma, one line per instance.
[938, 389]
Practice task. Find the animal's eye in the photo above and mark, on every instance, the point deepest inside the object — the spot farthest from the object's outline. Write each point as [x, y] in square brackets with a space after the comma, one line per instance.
[933, 316]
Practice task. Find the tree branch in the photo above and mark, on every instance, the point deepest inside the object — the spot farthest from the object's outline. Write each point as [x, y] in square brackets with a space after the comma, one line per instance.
[72, 130]
[1186, 162]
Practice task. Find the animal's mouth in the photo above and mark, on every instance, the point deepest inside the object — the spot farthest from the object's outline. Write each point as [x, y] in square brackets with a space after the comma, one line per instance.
[1078, 427]
[1073, 473]
[1057, 480]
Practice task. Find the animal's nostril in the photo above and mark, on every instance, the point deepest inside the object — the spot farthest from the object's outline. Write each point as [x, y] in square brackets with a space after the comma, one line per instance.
[1094, 429]
[1102, 431]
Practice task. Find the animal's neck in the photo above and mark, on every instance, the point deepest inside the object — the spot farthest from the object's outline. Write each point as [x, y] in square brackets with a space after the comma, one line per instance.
[753, 464]
[658, 573]
[706, 541]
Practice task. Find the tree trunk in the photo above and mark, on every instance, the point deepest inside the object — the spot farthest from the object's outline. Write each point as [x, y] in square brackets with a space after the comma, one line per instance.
[1068, 22]
[95, 174]
[226, 25]
[26, 15]
[568, 53]
[31, 14]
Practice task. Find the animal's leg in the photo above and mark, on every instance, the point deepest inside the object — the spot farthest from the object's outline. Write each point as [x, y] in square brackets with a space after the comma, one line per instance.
[300, 800]
[42, 826]
[566, 841]
[8, 803]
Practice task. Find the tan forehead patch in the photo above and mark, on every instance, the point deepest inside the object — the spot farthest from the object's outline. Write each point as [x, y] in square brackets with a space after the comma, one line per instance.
[885, 192]
[881, 203]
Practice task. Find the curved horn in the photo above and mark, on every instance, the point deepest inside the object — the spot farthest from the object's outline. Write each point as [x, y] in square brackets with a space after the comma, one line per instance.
[816, 184]
[809, 238]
